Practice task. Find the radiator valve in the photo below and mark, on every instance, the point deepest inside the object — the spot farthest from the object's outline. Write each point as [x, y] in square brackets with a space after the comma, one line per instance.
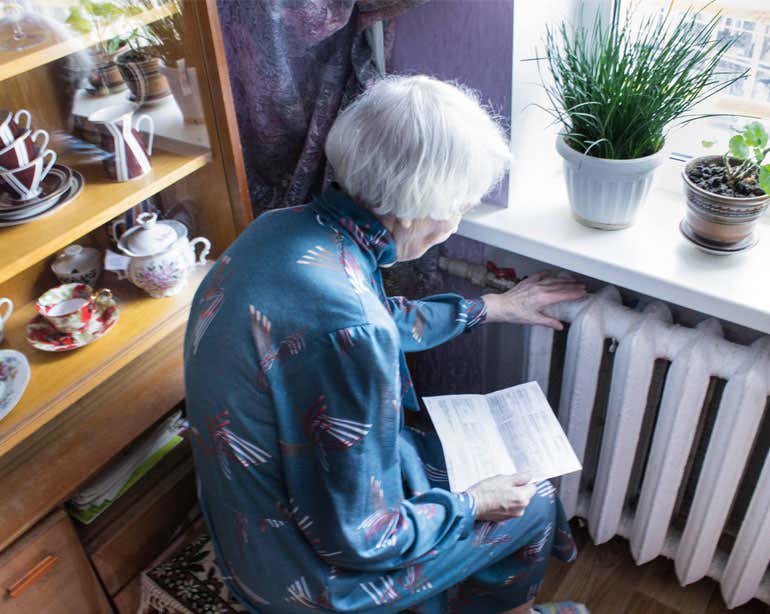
[489, 275]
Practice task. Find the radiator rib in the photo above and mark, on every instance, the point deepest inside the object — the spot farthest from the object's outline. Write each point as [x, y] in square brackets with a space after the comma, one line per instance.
[683, 398]
[585, 344]
[740, 413]
[631, 377]
[751, 553]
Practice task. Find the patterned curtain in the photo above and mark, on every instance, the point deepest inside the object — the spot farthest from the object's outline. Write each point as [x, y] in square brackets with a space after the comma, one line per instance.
[293, 65]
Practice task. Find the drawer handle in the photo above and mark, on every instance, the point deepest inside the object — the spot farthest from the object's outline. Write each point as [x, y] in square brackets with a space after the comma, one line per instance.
[32, 576]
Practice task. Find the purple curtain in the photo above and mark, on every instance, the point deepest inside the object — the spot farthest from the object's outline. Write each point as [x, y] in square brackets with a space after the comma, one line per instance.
[293, 65]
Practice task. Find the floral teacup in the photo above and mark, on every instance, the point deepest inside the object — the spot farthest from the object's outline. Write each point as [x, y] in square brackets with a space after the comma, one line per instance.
[69, 307]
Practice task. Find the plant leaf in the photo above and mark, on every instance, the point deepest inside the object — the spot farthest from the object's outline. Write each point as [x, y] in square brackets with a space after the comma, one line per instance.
[764, 179]
[114, 44]
[738, 147]
[755, 135]
[77, 22]
[708, 144]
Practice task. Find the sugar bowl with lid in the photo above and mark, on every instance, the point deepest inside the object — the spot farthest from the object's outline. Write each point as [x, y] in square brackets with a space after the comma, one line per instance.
[161, 257]
[78, 264]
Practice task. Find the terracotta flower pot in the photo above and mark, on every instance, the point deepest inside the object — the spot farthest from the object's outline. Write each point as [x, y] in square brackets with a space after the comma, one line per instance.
[720, 222]
[143, 76]
[105, 78]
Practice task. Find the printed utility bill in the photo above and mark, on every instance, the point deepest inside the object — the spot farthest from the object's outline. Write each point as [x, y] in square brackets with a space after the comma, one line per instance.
[505, 432]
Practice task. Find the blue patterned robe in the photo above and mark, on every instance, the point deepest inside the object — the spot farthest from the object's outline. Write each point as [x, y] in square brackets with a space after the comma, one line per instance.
[316, 494]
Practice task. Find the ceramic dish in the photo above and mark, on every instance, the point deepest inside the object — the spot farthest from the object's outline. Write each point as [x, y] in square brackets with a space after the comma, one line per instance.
[43, 336]
[714, 248]
[14, 377]
[76, 187]
[53, 185]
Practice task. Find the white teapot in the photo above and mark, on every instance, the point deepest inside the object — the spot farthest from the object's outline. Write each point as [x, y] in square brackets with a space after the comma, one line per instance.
[162, 257]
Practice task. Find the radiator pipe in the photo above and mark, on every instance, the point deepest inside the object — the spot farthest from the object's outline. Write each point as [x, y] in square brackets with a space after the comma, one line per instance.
[477, 274]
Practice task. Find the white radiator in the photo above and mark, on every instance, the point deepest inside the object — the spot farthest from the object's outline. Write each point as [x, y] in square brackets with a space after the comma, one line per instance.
[645, 472]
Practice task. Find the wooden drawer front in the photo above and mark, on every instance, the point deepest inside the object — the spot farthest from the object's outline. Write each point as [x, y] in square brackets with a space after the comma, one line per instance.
[47, 572]
[135, 539]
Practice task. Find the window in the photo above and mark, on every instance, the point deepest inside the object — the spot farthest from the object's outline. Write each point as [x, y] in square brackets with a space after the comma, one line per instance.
[749, 22]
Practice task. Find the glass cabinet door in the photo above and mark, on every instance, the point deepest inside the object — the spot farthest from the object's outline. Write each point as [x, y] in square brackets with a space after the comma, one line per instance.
[115, 117]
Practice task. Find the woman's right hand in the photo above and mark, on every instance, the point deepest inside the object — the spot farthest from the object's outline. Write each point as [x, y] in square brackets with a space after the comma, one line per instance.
[502, 497]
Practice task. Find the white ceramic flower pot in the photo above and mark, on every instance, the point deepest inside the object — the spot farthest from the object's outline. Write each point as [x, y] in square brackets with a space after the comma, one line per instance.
[607, 194]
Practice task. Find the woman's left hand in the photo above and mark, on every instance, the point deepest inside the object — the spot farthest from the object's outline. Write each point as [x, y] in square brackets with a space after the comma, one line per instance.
[524, 303]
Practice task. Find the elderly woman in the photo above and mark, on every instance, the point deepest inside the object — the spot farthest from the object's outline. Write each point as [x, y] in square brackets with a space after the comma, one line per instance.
[316, 494]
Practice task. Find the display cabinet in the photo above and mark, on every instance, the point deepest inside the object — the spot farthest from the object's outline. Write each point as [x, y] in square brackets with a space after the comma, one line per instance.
[82, 406]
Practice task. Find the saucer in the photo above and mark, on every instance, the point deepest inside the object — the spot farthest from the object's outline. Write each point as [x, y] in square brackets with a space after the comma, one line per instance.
[14, 377]
[43, 336]
[714, 248]
[77, 181]
[151, 101]
[53, 185]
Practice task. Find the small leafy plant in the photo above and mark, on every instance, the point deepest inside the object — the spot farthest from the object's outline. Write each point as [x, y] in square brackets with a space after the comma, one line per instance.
[744, 170]
[751, 148]
[103, 19]
[619, 88]
[162, 38]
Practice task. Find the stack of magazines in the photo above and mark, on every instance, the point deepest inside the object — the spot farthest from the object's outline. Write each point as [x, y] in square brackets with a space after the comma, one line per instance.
[124, 471]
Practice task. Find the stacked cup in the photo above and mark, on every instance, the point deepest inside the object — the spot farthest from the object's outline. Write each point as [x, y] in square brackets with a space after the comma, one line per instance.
[25, 159]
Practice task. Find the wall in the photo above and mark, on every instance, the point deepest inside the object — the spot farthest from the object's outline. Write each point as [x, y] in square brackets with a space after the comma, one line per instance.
[470, 41]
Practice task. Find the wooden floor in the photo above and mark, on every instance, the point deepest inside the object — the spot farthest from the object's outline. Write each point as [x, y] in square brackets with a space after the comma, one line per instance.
[606, 579]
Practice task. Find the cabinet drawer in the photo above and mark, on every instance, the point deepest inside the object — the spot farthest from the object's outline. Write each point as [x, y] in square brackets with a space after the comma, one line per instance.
[132, 539]
[47, 572]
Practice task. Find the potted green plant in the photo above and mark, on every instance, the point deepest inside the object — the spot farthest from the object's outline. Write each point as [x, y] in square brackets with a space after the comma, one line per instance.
[148, 44]
[617, 89]
[163, 41]
[727, 194]
[104, 20]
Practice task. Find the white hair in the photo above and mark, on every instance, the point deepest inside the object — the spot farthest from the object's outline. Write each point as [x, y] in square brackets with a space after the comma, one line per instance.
[417, 147]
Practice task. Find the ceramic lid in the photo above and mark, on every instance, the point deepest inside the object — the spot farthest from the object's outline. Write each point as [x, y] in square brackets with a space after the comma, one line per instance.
[150, 236]
[76, 259]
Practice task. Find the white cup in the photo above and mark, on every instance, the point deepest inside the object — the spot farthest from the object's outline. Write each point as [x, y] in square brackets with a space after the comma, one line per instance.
[3, 317]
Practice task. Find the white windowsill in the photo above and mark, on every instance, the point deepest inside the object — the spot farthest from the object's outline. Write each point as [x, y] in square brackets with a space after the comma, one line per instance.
[651, 257]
